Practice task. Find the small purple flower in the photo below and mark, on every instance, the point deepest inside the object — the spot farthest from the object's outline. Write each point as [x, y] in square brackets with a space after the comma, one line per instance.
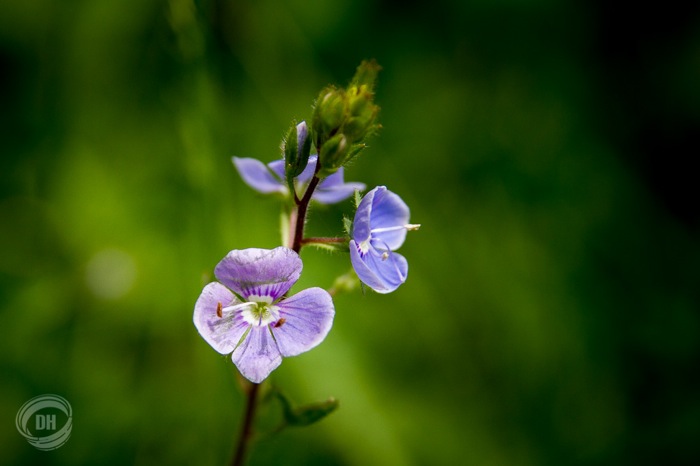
[248, 315]
[270, 179]
[379, 228]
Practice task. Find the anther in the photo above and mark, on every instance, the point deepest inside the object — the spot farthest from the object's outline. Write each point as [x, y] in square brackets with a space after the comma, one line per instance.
[279, 323]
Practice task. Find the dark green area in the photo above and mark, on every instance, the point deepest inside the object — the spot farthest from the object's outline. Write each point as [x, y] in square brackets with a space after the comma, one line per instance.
[550, 316]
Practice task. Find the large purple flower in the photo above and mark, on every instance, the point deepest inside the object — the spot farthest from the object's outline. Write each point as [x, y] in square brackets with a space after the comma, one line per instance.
[379, 228]
[270, 179]
[248, 315]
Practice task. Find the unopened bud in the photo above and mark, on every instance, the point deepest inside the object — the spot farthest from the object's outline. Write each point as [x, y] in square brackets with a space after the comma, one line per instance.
[333, 154]
[344, 118]
[357, 100]
[356, 128]
[366, 74]
[362, 113]
[297, 147]
[329, 113]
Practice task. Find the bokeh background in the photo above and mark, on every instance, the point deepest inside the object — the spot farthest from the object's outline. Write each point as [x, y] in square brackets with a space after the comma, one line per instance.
[551, 311]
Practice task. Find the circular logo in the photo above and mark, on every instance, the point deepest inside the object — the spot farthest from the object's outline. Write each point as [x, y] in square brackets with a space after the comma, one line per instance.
[39, 414]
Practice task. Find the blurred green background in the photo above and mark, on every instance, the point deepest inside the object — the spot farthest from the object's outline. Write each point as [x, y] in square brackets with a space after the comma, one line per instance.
[550, 316]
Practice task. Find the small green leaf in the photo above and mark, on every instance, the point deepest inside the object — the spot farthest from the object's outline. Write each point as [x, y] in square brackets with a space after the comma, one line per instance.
[358, 198]
[332, 247]
[353, 151]
[307, 414]
[347, 223]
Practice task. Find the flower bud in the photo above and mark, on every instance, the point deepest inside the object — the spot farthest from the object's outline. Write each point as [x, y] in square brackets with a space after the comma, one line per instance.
[329, 114]
[297, 147]
[362, 113]
[359, 101]
[333, 154]
[344, 118]
[366, 74]
[356, 128]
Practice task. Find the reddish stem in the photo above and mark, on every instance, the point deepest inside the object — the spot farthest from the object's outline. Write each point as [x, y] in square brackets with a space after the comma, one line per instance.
[302, 207]
[324, 240]
[298, 217]
[246, 429]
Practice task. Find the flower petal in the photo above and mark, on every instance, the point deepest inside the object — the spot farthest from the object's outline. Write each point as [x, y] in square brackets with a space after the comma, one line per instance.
[222, 333]
[389, 210]
[257, 355]
[308, 173]
[382, 275]
[361, 224]
[260, 272]
[258, 176]
[333, 189]
[308, 317]
[277, 168]
[337, 193]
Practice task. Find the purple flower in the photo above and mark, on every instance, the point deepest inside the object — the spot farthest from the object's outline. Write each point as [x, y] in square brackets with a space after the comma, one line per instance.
[379, 228]
[248, 315]
[270, 179]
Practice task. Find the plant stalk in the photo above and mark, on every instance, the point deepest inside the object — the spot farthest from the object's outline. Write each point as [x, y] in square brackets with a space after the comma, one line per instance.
[301, 209]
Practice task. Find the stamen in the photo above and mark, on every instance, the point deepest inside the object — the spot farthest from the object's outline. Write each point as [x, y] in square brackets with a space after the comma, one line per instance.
[237, 307]
[408, 226]
[385, 256]
[218, 310]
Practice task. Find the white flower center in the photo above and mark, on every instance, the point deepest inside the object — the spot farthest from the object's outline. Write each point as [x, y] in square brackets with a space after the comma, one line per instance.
[262, 312]
[259, 311]
[364, 247]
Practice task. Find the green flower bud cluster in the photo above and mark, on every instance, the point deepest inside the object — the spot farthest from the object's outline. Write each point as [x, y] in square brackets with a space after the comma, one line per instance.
[344, 118]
